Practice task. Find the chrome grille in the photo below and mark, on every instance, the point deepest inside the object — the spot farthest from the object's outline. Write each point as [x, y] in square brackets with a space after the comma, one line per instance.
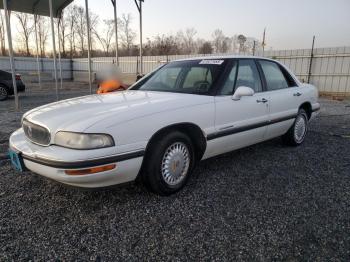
[35, 133]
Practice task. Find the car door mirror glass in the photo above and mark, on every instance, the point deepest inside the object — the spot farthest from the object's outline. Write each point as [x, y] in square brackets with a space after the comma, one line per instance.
[242, 91]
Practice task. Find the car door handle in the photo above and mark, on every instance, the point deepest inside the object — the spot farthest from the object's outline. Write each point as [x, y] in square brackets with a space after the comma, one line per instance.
[263, 100]
[297, 94]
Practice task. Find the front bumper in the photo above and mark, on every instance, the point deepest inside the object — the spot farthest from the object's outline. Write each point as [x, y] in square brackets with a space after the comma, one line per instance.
[127, 164]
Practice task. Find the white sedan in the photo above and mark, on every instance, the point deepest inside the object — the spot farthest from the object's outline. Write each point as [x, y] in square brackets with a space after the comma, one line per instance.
[158, 129]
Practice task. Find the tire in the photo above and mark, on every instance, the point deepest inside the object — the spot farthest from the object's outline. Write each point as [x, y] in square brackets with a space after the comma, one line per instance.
[4, 93]
[169, 163]
[297, 133]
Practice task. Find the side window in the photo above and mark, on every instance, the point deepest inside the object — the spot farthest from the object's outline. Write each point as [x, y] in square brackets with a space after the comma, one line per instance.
[227, 88]
[248, 75]
[198, 77]
[274, 76]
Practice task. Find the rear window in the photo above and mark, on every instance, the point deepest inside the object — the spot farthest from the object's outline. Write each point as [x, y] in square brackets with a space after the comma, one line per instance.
[276, 77]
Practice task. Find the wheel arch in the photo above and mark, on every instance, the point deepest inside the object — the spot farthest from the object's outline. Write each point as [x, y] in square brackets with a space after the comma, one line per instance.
[4, 84]
[307, 107]
[193, 131]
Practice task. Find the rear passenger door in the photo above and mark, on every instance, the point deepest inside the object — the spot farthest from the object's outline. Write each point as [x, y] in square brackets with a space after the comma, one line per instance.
[284, 97]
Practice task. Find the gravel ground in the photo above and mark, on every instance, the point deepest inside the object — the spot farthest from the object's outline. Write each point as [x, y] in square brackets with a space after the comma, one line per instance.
[264, 202]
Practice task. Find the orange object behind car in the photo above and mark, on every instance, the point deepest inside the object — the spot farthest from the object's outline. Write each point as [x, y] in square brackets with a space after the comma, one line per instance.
[111, 86]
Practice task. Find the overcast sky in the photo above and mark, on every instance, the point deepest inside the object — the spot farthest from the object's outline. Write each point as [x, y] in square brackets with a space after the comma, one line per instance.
[290, 24]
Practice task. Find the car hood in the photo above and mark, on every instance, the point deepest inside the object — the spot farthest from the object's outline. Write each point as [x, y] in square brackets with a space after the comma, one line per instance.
[78, 114]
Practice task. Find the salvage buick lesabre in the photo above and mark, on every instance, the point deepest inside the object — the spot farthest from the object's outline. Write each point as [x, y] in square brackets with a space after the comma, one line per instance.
[163, 125]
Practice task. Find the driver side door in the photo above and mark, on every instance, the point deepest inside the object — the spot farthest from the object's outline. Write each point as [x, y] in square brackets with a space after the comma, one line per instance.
[243, 122]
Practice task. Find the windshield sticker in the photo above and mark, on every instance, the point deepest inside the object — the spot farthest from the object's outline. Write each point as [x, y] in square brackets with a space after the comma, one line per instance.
[211, 62]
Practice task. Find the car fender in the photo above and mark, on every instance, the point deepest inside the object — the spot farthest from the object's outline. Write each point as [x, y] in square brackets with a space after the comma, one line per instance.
[136, 133]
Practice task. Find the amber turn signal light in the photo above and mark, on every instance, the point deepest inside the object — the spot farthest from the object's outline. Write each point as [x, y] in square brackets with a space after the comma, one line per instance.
[89, 171]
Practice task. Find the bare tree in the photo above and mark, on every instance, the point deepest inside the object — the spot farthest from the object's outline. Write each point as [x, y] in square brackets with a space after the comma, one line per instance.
[26, 29]
[108, 32]
[180, 41]
[235, 44]
[241, 40]
[2, 34]
[189, 40]
[206, 48]
[71, 20]
[164, 45]
[252, 47]
[73, 35]
[226, 44]
[94, 22]
[222, 43]
[43, 34]
[80, 28]
[127, 34]
[63, 31]
[186, 40]
[218, 39]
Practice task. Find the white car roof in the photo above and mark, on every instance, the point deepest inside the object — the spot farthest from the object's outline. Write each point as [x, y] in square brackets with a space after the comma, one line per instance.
[222, 57]
[217, 57]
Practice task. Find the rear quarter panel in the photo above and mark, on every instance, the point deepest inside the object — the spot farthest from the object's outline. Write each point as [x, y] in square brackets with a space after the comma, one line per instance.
[310, 93]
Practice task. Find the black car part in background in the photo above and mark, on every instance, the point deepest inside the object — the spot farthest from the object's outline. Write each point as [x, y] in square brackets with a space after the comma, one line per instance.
[6, 85]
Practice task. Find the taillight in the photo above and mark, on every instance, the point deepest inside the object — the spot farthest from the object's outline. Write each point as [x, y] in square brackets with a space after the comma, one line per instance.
[18, 77]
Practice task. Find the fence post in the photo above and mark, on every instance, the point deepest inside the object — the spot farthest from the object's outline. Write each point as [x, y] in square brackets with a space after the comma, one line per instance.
[311, 57]
[137, 66]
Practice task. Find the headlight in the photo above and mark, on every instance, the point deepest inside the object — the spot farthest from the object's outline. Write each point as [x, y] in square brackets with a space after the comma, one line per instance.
[82, 140]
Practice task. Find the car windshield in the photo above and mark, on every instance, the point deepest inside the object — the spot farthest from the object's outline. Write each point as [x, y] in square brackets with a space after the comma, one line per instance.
[190, 77]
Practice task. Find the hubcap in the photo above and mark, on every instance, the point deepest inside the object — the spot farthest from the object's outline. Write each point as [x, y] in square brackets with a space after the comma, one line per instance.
[300, 128]
[175, 163]
[3, 92]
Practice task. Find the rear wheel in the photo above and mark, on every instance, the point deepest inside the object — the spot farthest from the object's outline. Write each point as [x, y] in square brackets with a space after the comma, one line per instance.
[3, 93]
[297, 133]
[169, 163]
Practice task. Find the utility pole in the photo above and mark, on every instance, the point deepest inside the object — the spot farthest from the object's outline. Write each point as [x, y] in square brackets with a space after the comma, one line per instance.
[311, 58]
[114, 3]
[139, 8]
[264, 40]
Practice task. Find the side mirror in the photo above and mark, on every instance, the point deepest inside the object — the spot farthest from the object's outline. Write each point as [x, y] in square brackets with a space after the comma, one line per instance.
[242, 91]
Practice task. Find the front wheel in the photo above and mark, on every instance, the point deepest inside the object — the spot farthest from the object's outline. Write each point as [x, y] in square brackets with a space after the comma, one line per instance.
[297, 133]
[169, 163]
